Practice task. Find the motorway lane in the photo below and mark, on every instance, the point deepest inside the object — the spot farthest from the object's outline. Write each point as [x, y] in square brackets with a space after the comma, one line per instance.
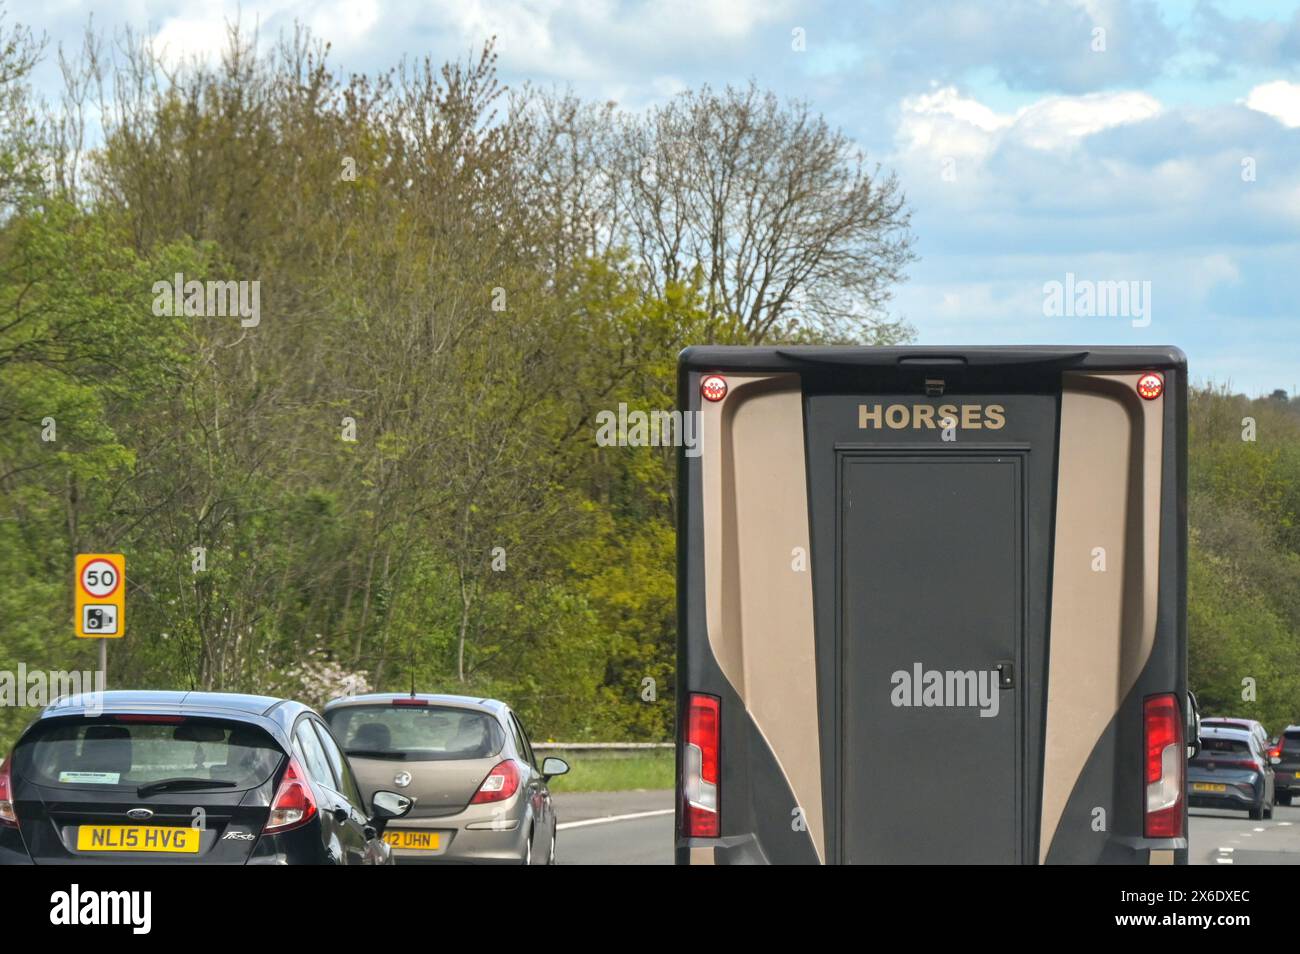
[1218, 837]
[633, 841]
[595, 831]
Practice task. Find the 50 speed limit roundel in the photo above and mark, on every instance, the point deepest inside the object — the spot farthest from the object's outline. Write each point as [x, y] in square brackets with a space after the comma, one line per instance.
[100, 579]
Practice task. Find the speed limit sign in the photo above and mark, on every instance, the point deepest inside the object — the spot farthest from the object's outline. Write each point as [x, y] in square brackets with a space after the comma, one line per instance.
[101, 595]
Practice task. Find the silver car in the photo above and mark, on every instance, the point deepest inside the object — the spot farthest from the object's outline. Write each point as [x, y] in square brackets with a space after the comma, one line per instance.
[467, 765]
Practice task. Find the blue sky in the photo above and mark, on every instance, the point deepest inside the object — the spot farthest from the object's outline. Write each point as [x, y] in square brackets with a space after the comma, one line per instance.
[1164, 149]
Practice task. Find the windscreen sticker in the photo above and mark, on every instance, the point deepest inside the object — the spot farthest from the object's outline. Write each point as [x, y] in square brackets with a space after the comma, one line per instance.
[90, 778]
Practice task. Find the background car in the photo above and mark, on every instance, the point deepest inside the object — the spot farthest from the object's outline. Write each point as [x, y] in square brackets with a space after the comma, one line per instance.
[186, 777]
[467, 765]
[1231, 771]
[1286, 769]
[1232, 722]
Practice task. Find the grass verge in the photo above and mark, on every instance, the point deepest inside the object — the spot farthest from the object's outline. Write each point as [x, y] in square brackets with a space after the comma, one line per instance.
[613, 771]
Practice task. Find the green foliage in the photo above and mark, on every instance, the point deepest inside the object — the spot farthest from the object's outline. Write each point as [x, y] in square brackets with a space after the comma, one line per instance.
[1243, 614]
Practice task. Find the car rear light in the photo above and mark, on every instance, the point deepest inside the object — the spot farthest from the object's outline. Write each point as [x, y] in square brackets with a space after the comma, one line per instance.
[700, 789]
[500, 784]
[408, 701]
[8, 817]
[1165, 758]
[294, 805]
[1275, 752]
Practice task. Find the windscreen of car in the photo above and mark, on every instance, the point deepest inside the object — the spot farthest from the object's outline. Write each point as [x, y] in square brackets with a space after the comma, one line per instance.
[416, 733]
[114, 752]
[1234, 746]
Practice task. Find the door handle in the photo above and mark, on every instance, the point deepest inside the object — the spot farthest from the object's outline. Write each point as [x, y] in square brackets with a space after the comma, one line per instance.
[1006, 675]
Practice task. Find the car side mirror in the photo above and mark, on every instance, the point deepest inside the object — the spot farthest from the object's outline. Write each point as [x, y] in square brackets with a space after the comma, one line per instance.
[551, 767]
[385, 806]
[1193, 725]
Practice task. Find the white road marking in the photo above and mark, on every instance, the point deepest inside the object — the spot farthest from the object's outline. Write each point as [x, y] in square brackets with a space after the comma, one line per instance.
[563, 826]
[1224, 861]
[1257, 829]
[1228, 850]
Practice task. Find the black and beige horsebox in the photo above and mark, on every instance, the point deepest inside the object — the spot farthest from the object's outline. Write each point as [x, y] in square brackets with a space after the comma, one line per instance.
[932, 605]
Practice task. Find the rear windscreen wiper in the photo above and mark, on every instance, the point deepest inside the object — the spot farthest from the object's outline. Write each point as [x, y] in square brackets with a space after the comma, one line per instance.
[376, 754]
[168, 784]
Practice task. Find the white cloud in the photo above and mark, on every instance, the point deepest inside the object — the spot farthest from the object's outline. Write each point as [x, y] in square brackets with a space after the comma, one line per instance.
[344, 18]
[528, 37]
[204, 35]
[1278, 99]
[713, 18]
[945, 123]
[1061, 121]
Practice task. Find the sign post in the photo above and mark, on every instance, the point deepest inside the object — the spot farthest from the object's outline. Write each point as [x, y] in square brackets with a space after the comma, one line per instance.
[101, 600]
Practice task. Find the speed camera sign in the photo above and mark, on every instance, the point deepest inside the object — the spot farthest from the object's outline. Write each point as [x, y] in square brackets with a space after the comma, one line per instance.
[101, 595]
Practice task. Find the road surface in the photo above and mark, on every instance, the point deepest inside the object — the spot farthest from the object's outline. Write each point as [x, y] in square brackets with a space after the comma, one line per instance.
[614, 828]
[636, 828]
[1220, 837]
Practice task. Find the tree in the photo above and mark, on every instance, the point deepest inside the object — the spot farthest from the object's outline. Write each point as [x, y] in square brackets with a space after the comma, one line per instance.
[777, 217]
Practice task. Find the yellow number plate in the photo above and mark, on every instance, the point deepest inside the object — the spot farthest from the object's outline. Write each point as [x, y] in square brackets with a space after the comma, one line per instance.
[417, 840]
[1208, 787]
[137, 838]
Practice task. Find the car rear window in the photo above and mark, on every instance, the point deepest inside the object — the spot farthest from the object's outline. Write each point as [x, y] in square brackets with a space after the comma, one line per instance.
[1225, 745]
[417, 733]
[1291, 740]
[1227, 724]
[115, 753]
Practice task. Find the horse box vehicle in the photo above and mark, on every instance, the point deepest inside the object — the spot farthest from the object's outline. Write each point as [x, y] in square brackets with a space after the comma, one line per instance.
[931, 606]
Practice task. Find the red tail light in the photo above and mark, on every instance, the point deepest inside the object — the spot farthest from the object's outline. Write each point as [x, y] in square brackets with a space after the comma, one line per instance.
[8, 818]
[1276, 751]
[700, 789]
[1165, 761]
[294, 805]
[410, 701]
[713, 387]
[1150, 386]
[500, 784]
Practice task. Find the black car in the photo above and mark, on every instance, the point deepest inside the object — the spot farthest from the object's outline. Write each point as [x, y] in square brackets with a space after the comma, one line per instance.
[1286, 770]
[186, 777]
